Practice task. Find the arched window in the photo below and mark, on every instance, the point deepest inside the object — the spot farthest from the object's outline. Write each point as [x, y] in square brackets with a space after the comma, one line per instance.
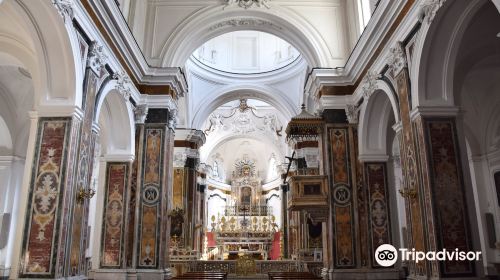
[365, 11]
[215, 169]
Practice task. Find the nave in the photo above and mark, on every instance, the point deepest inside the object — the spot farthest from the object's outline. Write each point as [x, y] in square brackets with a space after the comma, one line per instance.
[249, 139]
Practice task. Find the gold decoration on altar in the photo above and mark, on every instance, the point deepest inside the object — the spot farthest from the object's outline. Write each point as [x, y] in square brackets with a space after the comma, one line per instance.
[245, 265]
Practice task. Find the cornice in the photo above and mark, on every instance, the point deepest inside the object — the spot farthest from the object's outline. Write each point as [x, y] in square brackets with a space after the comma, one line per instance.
[113, 29]
[191, 135]
[386, 25]
[214, 76]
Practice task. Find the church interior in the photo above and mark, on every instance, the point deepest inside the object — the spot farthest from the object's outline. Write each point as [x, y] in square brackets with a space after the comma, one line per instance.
[249, 139]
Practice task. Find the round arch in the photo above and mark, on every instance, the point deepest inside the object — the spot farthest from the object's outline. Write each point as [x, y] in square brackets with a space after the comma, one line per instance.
[35, 34]
[211, 22]
[6, 146]
[209, 148]
[230, 93]
[114, 113]
[435, 53]
[373, 122]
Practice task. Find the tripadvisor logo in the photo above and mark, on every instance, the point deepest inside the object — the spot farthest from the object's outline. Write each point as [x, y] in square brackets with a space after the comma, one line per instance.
[386, 255]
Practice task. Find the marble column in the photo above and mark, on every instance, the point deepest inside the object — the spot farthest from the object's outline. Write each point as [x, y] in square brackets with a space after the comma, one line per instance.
[433, 178]
[186, 194]
[56, 233]
[154, 181]
[443, 188]
[51, 194]
[359, 213]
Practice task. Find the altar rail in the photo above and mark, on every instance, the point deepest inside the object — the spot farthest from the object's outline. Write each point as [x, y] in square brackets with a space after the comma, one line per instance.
[262, 267]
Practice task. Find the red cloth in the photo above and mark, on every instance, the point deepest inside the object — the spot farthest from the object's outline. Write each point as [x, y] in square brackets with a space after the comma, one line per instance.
[211, 240]
[275, 249]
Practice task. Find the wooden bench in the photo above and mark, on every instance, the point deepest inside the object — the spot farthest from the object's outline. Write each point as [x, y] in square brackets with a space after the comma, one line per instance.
[203, 275]
[292, 276]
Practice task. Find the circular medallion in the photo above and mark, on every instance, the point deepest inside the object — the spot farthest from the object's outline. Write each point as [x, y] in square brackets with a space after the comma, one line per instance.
[342, 194]
[150, 194]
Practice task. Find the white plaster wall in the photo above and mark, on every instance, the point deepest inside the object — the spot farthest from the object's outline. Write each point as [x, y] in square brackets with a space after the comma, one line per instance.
[275, 203]
[215, 206]
[326, 19]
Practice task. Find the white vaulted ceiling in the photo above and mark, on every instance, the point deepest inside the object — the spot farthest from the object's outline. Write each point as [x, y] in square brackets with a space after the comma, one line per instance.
[246, 52]
[328, 29]
[232, 134]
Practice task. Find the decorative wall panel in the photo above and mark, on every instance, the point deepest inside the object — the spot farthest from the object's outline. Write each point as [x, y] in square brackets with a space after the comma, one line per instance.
[133, 198]
[68, 196]
[45, 198]
[178, 188]
[150, 212]
[362, 207]
[452, 223]
[418, 131]
[112, 244]
[379, 218]
[83, 177]
[410, 174]
[343, 217]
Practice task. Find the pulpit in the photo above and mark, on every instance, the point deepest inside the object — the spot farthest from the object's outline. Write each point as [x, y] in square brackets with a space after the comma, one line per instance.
[308, 192]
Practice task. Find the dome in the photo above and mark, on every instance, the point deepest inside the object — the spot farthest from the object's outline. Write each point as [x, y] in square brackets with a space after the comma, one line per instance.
[246, 52]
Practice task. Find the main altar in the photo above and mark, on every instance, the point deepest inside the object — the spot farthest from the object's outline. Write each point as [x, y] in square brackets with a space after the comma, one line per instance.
[246, 226]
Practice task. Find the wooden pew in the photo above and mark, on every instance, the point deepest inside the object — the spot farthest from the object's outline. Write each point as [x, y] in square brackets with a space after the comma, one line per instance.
[292, 276]
[203, 275]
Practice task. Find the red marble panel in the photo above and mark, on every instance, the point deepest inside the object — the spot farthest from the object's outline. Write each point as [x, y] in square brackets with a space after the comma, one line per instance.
[452, 223]
[40, 239]
[114, 215]
[379, 218]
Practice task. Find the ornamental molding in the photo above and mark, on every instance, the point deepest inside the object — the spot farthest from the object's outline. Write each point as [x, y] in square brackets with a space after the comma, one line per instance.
[97, 58]
[397, 59]
[123, 84]
[352, 113]
[140, 113]
[173, 119]
[370, 84]
[182, 154]
[65, 9]
[429, 9]
[242, 22]
[243, 120]
[248, 3]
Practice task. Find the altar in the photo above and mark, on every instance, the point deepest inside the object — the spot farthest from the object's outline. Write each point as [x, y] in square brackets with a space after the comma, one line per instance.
[246, 224]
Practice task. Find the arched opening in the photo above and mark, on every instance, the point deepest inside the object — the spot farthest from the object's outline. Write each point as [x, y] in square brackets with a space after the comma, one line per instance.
[193, 34]
[113, 155]
[16, 101]
[40, 72]
[456, 71]
[245, 144]
[243, 64]
[378, 143]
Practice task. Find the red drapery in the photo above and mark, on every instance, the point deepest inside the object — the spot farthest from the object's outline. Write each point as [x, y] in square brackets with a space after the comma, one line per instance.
[275, 249]
[211, 240]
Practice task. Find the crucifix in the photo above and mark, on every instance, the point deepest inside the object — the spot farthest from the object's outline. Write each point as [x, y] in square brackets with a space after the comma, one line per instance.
[244, 209]
[291, 159]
